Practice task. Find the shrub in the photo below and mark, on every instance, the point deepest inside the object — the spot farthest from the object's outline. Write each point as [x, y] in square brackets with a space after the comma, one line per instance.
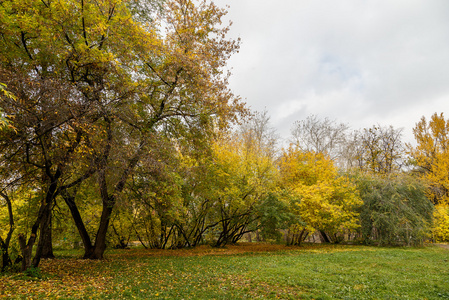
[395, 210]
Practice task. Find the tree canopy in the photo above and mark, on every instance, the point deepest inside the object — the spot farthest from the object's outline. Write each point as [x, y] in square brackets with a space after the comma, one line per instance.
[97, 82]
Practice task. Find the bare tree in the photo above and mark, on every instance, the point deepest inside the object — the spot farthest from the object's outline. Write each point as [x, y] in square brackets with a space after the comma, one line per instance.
[378, 149]
[257, 134]
[321, 136]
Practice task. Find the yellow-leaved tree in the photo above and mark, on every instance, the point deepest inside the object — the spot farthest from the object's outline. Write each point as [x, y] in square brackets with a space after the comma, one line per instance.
[240, 178]
[321, 199]
[441, 223]
[431, 156]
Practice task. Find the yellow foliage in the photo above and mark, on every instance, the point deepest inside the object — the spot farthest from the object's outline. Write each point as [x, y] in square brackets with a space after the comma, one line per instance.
[432, 155]
[326, 201]
[441, 223]
[240, 174]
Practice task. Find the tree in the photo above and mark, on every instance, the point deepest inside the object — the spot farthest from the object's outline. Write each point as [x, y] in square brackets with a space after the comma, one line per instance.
[98, 80]
[224, 191]
[257, 134]
[431, 156]
[242, 179]
[395, 210]
[320, 136]
[320, 198]
[379, 149]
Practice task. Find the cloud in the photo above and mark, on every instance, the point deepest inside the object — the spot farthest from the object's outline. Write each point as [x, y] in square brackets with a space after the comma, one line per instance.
[360, 62]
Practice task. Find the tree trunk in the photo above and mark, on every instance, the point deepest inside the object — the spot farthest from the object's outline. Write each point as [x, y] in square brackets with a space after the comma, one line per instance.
[76, 216]
[100, 240]
[108, 199]
[6, 260]
[44, 233]
[26, 249]
[324, 238]
[45, 245]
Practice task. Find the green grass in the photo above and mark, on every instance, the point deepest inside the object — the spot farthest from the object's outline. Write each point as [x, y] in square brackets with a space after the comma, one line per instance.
[321, 272]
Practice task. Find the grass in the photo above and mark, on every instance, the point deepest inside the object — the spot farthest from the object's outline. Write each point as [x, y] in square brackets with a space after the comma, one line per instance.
[242, 272]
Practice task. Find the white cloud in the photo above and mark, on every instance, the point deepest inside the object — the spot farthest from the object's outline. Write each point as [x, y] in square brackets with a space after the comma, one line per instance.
[360, 62]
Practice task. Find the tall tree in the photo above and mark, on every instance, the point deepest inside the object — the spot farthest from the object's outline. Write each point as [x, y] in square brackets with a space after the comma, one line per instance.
[379, 149]
[431, 155]
[395, 210]
[124, 72]
[320, 136]
[321, 199]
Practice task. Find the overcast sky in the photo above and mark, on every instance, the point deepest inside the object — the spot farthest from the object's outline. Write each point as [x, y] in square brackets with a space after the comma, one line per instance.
[360, 62]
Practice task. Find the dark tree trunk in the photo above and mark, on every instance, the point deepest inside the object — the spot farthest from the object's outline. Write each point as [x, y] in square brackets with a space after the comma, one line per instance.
[109, 199]
[76, 216]
[324, 237]
[45, 245]
[100, 240]
[42, 221]
[6, 260]
[44, 234]
[4, 244]
[26, 248]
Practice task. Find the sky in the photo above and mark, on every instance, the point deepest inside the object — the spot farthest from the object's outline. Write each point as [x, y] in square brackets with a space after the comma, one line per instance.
[359, 62]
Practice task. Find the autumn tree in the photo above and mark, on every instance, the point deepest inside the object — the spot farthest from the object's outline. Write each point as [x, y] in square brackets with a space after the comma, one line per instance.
[320, 136]
[379, 149]
[222, 190]
[321, 199]
[97, 80]
[154, 196]
[431, 155]
[243, 179]
[431, 159]
[7, 186]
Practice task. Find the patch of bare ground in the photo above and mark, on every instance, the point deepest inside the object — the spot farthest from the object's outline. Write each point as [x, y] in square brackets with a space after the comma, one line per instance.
[445, 246]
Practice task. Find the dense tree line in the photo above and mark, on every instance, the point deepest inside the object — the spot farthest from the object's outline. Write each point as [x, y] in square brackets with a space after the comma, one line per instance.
[118, 126]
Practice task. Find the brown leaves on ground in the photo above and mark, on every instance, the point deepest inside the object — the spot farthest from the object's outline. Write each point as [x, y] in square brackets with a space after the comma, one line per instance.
[75, 277]
[206, 250]
[63, 277]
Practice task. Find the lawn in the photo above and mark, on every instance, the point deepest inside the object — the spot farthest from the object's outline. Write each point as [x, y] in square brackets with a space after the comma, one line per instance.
[241, 272]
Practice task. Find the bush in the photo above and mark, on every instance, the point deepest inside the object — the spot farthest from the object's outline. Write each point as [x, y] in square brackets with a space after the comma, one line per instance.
[274, 215]
[396, 210]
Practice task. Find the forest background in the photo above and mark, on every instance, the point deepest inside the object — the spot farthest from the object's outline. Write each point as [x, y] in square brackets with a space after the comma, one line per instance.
[119, 126]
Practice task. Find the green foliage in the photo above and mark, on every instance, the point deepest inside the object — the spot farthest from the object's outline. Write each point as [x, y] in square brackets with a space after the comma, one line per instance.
[99, 84]
[274, 215]
[395, 210]
[34, 273]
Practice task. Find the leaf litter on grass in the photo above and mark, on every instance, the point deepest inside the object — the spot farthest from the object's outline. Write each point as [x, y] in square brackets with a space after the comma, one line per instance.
[68, 277]
[142, 273]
